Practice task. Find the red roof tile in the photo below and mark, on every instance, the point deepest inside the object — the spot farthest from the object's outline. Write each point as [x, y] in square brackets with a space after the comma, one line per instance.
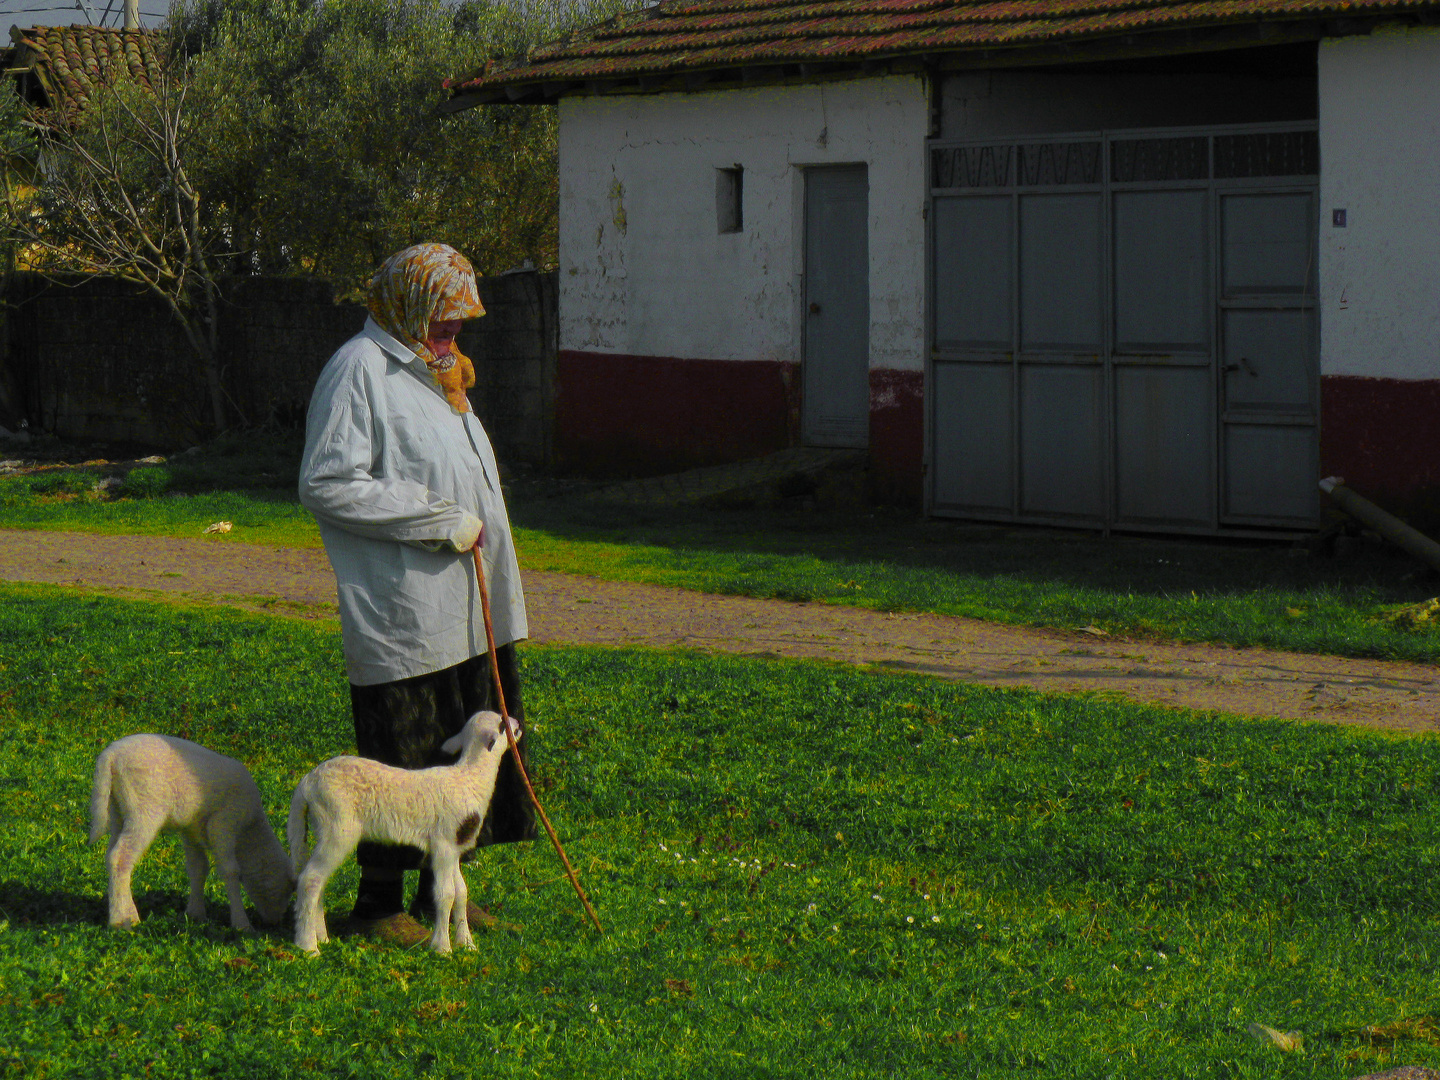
[677, 37]
[68, 61]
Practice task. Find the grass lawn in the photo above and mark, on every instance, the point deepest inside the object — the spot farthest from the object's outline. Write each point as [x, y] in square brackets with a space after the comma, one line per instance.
[803, 870]
[1237, 593]
[250, 485]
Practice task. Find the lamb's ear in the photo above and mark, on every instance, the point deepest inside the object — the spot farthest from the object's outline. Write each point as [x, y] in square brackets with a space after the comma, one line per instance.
[514, 726]
[454, 744]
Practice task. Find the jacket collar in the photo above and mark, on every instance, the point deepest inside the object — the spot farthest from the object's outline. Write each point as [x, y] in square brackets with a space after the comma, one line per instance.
[402, 355]
[396, 350]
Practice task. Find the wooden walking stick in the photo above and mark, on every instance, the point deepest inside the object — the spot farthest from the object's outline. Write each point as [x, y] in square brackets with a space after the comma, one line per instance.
[514, 749]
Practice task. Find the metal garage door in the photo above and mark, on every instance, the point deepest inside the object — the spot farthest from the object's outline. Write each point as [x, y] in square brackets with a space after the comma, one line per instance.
[1123, 329]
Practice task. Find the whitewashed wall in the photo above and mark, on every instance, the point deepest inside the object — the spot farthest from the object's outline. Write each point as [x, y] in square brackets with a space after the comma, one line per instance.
[643, 269]
[1380, 162]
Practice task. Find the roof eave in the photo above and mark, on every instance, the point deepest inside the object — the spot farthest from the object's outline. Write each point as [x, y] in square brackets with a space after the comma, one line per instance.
[543, 91]
[1136, 44]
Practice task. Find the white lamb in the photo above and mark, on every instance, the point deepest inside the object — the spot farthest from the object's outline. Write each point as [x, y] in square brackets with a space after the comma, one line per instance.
[350, 799]
[148, 784]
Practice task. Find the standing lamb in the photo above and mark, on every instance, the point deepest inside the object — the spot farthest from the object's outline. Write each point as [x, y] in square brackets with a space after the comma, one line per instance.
[350, 799]
[148, 784]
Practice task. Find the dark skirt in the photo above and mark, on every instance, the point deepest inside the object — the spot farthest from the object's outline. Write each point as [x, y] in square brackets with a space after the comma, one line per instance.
[404, 723]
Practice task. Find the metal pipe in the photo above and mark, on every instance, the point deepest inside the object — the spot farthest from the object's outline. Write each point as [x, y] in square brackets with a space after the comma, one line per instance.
[1387, 525]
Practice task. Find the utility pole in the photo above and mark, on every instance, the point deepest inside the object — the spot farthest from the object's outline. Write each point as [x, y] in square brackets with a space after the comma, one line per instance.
[132, 14]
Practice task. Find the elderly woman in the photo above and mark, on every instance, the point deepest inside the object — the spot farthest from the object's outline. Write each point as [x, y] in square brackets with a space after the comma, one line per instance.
[402, 479]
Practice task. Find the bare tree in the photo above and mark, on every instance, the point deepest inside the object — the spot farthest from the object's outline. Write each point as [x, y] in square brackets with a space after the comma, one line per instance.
[114, 196]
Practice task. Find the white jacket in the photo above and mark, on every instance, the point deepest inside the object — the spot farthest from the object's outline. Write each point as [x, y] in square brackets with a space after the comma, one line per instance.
[394, 475]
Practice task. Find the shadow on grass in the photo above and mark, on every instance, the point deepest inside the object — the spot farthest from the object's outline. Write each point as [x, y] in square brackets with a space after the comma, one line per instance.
[1124, 564]
[24, 904]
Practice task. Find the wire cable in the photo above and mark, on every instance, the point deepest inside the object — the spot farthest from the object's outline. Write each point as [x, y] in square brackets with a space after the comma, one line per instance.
[71, 7]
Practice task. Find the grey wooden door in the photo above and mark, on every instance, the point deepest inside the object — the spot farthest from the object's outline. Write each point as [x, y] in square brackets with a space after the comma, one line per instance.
[836, 407]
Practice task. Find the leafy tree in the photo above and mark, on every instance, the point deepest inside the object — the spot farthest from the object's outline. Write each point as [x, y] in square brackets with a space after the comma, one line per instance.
[324, 142]
[113, 194]
[19, 147]
[291, 136]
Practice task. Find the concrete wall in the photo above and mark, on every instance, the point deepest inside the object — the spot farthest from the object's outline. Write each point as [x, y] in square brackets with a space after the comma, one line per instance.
[679, 344]
[1380, 274]
[1380, 141]
[96, 359]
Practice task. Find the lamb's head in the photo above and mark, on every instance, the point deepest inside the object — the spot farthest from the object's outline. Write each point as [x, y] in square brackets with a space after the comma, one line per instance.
[479, 736]
[265, 872]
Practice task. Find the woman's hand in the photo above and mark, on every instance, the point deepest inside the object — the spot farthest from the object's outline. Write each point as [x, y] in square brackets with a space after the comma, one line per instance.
[468, 534]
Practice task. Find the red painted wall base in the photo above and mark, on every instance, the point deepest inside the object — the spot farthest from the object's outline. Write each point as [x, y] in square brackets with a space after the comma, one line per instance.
[897, 437]
[622, 415]
[1383, 437]
[618, 415]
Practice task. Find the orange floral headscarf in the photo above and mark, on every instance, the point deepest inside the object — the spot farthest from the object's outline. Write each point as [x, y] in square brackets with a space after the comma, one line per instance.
[424, 284]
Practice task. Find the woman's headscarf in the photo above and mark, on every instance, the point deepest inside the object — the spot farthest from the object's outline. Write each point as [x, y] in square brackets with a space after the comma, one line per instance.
[424, 284]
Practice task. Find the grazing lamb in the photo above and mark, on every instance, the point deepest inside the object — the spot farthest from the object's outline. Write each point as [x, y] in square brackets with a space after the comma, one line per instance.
[148, 784]
[349, 799]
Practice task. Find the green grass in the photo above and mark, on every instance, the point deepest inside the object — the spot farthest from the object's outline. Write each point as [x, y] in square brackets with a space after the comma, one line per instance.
[246, 480]
[257, 517]
[1190, 590]
[803, 870]
[1233, 592]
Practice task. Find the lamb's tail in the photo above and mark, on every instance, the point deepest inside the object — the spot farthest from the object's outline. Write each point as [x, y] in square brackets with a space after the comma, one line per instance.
[295, 829]
[100, 796]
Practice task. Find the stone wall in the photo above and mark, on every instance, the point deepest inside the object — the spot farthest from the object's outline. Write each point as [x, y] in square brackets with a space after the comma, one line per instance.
[513, 348]
[96, 359]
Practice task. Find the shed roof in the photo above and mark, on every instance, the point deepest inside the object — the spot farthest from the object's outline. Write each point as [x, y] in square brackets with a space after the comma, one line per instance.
[67, 62]
[681, 44]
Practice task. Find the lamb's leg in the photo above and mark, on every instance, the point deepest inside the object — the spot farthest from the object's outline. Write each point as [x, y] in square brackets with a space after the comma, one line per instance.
[326, 855]
[445, 866]
[197, 868]
[309, 892]
[462, 910]
[127, 845]
[222, 842]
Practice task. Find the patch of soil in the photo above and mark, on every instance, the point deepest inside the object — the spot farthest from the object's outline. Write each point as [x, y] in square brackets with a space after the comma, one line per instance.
[579, 610]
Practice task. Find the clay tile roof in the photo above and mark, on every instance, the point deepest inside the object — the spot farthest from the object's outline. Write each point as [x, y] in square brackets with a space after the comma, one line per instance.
[684, 37]
[68, 61]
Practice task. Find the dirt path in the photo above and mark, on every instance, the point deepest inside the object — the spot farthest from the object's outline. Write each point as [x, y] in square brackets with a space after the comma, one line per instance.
[569, 609]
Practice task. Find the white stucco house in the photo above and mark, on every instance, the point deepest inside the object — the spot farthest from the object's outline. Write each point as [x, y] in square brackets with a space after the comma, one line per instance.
[1139, 265]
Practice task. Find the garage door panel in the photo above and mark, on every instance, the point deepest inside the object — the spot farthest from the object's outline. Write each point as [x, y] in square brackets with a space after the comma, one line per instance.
[1162, 268]
[1062, 425]
[1269, 475]
[1268, 361]
[1165, 446]
[974, 437]
[1269, 243]
[1061, 272]
[973, 272]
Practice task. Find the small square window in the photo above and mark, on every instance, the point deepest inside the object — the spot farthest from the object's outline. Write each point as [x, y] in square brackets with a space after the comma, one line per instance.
[730, 199]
